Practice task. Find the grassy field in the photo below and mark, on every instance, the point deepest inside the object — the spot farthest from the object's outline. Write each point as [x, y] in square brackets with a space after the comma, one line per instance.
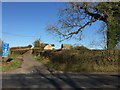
[13, 64]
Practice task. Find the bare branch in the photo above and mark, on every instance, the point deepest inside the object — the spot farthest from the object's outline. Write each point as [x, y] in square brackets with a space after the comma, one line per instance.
[95, 15]
[76, 32]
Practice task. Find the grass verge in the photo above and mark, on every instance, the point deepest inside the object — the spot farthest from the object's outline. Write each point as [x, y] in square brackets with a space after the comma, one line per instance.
[13, 64]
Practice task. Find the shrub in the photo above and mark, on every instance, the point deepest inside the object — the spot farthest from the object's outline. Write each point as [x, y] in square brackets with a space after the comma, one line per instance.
[94, 60]
[81, 48]
[18, 51]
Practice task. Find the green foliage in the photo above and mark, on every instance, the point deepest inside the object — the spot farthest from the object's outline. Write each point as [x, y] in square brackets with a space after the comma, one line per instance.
[81, 48]
[37, 43]
[38, 46]
[41, 59]
[24, 47]
[36, 51]
[29, 46]
[14, 64]
[112, 10]
[19, 51]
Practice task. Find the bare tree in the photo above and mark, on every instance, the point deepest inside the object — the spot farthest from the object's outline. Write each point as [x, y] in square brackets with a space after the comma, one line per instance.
[77, 16]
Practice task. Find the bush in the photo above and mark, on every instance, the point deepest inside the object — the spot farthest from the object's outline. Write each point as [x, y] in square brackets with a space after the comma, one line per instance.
[64, 56]
[94, 60]
[18, 51]
[81, 48]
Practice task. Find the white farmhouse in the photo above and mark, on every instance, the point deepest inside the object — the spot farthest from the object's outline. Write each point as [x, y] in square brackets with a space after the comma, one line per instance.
[49, 47]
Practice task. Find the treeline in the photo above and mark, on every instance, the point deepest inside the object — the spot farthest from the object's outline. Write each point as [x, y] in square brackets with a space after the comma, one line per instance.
[20, 50]
[14, 48]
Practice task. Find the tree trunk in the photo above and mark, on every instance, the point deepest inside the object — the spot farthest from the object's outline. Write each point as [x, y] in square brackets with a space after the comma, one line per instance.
[111, 36]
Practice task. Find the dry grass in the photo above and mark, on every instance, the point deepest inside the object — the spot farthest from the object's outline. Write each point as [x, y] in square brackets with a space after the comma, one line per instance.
[83, 60]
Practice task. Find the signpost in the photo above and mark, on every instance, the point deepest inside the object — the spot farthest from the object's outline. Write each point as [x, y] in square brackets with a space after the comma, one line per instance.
[5, 48]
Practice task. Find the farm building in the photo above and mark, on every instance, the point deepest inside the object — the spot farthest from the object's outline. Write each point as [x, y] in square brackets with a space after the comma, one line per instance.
[66, 46]
[49, 47]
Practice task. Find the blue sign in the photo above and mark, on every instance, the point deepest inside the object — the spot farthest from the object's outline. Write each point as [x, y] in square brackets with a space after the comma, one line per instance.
[5, 48]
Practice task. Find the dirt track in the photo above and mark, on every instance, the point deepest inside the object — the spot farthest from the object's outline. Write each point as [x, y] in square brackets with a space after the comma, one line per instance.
[29, 66]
